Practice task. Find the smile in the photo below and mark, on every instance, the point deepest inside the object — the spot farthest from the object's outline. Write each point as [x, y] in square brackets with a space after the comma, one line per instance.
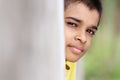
[76, 50]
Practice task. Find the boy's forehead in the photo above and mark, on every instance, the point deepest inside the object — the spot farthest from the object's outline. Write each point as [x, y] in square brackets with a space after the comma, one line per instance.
[78, 3]
[79, 7]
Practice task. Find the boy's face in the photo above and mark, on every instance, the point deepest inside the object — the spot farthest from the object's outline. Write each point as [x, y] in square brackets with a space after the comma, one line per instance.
[80, 27]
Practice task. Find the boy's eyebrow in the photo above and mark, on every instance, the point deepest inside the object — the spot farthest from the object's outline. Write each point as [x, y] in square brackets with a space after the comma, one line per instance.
[74, 19]
[94, 27]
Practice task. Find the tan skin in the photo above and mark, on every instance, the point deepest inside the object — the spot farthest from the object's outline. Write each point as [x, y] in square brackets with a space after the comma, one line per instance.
[80, 27]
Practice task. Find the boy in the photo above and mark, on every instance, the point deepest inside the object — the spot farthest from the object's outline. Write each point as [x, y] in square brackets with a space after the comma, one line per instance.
[81, 20]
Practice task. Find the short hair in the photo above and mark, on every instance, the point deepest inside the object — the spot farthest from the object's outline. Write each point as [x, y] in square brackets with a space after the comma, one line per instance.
[91, 4]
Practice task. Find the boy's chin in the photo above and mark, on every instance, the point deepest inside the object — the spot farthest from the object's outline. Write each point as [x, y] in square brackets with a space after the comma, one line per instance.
[72, 60]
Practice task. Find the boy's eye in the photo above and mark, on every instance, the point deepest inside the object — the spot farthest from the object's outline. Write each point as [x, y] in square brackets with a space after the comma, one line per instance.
[72, 24]
[90, 31]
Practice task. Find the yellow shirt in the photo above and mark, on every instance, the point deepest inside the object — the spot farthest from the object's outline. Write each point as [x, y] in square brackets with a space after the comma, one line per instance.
[70, 71]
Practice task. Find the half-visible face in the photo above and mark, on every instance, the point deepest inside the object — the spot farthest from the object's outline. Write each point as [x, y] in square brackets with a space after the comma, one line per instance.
[80, 27]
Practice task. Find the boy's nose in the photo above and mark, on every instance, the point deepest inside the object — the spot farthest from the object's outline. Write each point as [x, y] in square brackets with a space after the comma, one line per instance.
[81, 37]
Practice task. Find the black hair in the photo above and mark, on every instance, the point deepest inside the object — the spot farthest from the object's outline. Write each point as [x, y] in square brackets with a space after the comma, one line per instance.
[91, 4]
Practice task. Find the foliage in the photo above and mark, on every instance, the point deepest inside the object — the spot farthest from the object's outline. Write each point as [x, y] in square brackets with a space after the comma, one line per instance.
[102, 60]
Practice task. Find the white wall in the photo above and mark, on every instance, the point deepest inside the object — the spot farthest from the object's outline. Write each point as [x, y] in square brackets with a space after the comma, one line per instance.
[80, 70]
[31, 40]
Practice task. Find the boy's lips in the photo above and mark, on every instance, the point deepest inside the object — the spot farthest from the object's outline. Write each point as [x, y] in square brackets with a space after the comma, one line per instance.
[76, 49]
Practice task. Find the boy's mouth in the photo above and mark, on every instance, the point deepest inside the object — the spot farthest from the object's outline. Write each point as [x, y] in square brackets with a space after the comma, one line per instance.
[76, 49]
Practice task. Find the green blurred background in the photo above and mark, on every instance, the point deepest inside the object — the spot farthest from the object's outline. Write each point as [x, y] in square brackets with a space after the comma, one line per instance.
[102, 61]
